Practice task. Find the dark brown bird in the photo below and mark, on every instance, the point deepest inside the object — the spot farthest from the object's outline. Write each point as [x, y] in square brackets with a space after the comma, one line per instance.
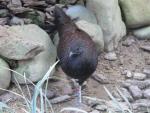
[76, 50]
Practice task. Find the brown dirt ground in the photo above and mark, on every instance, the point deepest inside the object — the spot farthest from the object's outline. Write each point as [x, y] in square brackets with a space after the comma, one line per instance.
[130, 58]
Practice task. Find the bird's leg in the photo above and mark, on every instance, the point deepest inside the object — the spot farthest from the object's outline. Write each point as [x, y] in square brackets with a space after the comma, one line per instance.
[80, 94]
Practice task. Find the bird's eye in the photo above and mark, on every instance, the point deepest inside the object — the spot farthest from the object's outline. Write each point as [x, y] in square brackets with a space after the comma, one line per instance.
[52, 12]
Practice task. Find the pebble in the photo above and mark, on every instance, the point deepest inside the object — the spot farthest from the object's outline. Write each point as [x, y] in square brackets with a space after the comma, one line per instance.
[111, 56]
[146, 93]
[145, 47]
[50, 94]
[136, 92]
[3, 21]
[60, 99]
[141, 84]
[100, 78]
[126, 93]
[127, 74]
[141, 105]
[147, 72]
[128, 42]
[95, 111]
[101, 107]
[139, 76]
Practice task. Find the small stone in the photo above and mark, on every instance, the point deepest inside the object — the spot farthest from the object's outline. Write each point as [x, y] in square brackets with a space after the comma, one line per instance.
[139, 76]
[95, 111]
[141, 84]
[100, 78]
[50, 94]
[101, 107]
[60, 99]
[147, 61]
[15, 3]
[16, 21]
[4, 13]
[111, 56]
[145, 48]
[128, 42]
[141, 105]
[146, 93]
[136, 92]
[127, 74]
[126, 93]
[3, 21]
[147, 72]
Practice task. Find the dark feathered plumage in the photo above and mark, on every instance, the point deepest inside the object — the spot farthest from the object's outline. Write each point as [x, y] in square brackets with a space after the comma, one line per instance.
[76, 50]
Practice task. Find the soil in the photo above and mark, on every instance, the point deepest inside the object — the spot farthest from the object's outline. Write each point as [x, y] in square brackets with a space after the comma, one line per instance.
[129, 57]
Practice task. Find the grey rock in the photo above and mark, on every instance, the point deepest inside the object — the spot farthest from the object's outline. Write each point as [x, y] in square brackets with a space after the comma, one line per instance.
[126, 93]
[146, 93]
[34, 3]
[139, 76]
[5, 75]
[3, 21]
[141, 84]
[142, 33]
[109, 18]
[101, 107]
[141, 105]
[145, 47]
[50, 94]
[133, 9]
[128, 42]
[114, 107]
[35, 68]
[110, 56]
[16, 21]
[37, 17]
[147, 60]
[19, 10]
[15, 3]
[4, 12]
[147, 72]
[79, 11]
[100, 78]
[127, 73]
[18, 48]
[136, 92]
[60, 99]
[95, 111]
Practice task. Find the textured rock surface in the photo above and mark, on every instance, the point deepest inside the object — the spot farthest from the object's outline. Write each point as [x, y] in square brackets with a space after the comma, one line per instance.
[142, 33]
[19, 47]
[136, 92]
[80, 12]
[136, 12]
[139, 76]
[5, 75]
[35, 68]
[109, 18]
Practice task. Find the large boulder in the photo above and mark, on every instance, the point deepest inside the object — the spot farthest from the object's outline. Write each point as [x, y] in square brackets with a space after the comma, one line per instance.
[109, 18]
[5, 75]
[82, 13]
[136, 12]
[16, 46]
[34, 68]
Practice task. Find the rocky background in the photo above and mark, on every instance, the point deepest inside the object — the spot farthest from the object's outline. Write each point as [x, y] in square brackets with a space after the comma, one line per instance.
[28, 40]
